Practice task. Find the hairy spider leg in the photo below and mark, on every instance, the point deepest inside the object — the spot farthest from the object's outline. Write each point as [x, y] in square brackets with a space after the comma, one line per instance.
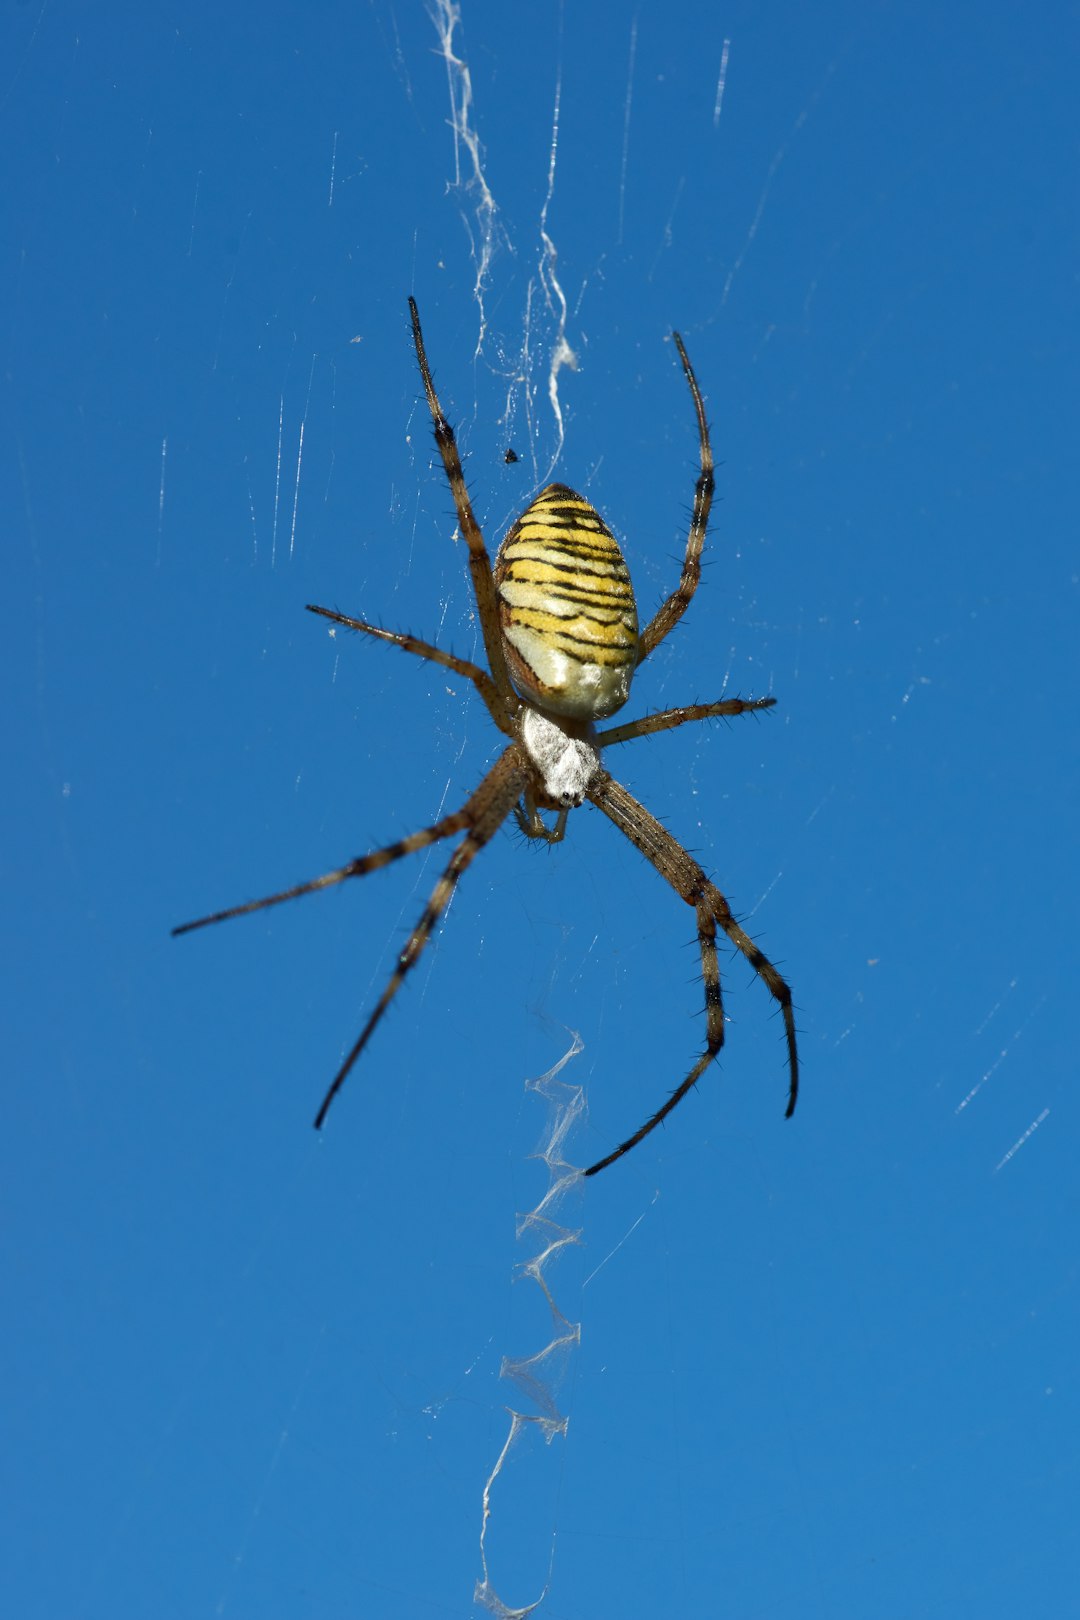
[435, 655]
[479, 561]
[485, 811]
[363, 864]
[690, 883]
[671, 611]
[667, 719]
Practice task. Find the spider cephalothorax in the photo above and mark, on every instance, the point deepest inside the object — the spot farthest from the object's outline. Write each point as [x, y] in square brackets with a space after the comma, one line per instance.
[560, 629]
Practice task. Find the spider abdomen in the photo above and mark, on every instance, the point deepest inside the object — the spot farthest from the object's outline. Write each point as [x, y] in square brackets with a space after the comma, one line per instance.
[566, 608]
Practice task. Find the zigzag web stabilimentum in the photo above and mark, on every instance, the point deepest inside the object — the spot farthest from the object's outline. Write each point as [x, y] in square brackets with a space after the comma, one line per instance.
[539, 1375]
[470, 181]
[545, 349]
[508, 1531]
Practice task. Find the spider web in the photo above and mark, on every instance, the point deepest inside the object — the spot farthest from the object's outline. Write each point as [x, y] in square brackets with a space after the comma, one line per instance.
[539, 1376]
[823, 1369]
[544, 350]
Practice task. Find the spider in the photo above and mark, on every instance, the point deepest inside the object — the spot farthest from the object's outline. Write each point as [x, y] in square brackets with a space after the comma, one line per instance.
[560, 628]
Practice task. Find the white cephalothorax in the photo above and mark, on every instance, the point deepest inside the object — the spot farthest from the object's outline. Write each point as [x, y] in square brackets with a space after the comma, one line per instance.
[560, 629]
[568, 766]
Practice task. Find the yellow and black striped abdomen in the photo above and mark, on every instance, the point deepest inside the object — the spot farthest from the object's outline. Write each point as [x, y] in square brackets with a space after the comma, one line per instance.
[567, 609]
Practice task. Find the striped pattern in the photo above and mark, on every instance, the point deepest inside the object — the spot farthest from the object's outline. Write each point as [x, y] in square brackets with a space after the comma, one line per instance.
[566, 608]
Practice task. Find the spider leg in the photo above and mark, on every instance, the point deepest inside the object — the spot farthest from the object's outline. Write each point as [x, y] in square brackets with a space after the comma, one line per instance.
[531, 822]
[667, 719]
[435, 655]
[356, 868]
[365, 863]
[689, 881]
[671, 611]
[484, 814]
[479, 562]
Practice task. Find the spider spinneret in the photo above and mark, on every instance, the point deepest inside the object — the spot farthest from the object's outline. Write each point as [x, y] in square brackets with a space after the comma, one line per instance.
[560, 629]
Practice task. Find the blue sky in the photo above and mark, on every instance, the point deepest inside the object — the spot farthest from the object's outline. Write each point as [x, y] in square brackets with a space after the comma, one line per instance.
[827, 1367]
